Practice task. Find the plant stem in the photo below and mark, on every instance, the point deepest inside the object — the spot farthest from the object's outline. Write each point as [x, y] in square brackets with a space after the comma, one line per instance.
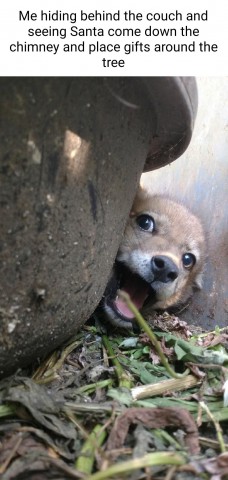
[144, 326]
[85, 461]
[91, 387]
[123, 378]
[7, 410]
[165, 386]
[47, 372]
[217, 427]
[148, 460]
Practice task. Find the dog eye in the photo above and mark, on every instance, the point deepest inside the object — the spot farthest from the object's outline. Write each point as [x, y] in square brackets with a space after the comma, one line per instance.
[145, 222]
[188, 260]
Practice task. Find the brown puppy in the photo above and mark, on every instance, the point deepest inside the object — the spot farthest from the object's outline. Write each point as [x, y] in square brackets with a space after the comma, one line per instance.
[160, 259]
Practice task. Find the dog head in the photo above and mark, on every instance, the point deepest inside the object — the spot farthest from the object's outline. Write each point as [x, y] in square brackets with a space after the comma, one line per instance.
[159, 261]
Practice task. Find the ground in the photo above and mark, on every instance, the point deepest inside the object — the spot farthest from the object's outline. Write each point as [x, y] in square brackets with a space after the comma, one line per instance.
[105, 407]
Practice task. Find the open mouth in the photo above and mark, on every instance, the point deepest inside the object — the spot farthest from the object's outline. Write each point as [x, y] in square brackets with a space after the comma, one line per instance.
[135, 286]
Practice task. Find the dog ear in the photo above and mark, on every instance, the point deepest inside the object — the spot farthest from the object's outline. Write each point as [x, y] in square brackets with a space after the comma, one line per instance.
[142, 192]
[140, 196]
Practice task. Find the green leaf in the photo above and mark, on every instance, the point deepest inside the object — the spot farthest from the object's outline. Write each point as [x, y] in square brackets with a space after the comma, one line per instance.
[130, 342]
[122, 395]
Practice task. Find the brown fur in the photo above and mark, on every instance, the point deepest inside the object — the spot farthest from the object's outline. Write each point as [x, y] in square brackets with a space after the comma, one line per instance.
[177, 231]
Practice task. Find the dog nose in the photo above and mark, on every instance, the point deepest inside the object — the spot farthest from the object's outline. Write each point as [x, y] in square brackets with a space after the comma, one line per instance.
[164, 269]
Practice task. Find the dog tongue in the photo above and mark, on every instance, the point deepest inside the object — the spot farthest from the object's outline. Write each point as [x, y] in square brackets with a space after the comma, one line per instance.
[137, 289]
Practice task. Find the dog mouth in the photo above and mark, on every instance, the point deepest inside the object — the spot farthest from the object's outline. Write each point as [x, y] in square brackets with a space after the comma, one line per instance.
[134, 285]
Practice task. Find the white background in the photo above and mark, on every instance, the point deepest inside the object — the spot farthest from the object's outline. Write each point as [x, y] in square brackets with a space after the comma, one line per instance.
[215, 30]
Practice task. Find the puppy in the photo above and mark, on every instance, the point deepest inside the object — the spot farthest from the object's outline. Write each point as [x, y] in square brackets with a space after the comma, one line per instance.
[160, 259]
